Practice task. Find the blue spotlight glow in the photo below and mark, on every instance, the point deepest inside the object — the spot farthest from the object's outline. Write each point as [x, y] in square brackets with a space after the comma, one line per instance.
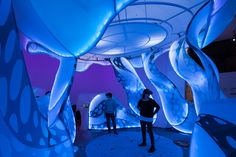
[66, 30]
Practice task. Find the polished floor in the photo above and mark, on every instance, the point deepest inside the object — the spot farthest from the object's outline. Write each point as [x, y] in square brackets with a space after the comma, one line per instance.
[168, 142]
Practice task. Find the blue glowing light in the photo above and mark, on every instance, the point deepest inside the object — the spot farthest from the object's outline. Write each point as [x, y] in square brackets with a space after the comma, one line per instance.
[179, 113]
[61, 88]
[130, 37]
[198, 77]
[125, 118]
[221, 10]
[38, 22]
[206, 25]
[3, 95]
[25, 108]
[61, 35]
[9, 49]
[130, 81]
[62, 29]
[14, 123]
[5, 8]
[6, 147]
[16, 78]
[36, 119]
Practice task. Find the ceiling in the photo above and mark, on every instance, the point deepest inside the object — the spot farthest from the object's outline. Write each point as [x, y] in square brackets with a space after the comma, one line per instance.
[143, 25]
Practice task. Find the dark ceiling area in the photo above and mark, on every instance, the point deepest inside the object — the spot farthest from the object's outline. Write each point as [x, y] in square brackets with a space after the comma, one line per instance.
[223, 54]
[223, 50]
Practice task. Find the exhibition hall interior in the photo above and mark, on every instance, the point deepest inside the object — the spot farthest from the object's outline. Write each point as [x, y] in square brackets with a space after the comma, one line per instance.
[112, 78]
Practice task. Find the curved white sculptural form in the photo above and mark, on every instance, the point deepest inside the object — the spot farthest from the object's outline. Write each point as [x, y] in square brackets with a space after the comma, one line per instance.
[129, 79]
[68, 29]
[179, 112]
[64, 30]
[125, 117]
[214, 133]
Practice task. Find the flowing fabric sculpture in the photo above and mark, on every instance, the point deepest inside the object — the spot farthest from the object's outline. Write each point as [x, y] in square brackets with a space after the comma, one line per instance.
[61, 30]
[129, 79]
[24, 125]
[214, 134]
[179, 112]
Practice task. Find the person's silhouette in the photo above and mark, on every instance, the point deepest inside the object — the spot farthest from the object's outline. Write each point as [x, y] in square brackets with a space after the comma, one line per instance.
[110, 112]
[146, 106]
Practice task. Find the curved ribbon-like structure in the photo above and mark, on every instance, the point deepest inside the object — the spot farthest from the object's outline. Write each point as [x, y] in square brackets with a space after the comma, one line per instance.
[24, 129]
[62, 27]
[53, 27]
[61, 88]
[179, 112]
[202, 79]
[129, 79]
[61, 36]
[207, 24]
[185, 67]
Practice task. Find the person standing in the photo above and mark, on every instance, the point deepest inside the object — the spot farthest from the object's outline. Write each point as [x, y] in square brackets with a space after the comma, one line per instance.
[77, 116]
[110, 112]
[148, 108]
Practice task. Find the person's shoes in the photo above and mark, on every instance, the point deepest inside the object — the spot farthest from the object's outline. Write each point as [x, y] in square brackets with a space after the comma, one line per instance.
[151, 150]
[116, 133]
[142, 144]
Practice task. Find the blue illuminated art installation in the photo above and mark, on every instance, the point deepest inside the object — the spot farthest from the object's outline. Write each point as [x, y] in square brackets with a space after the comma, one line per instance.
[24, 122]
[44, 127]
[59, 30]
[125, 118]
[214, 133]
[179, 112]
[129, 79]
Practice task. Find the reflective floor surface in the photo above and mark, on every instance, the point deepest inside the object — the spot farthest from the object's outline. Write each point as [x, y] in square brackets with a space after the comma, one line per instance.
[168, 143]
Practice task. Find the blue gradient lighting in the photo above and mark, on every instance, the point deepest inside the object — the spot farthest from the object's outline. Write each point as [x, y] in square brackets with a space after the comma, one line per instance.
[125, 118]
[129, 79]
[215, 122]
[64, 30]
[178, 112]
